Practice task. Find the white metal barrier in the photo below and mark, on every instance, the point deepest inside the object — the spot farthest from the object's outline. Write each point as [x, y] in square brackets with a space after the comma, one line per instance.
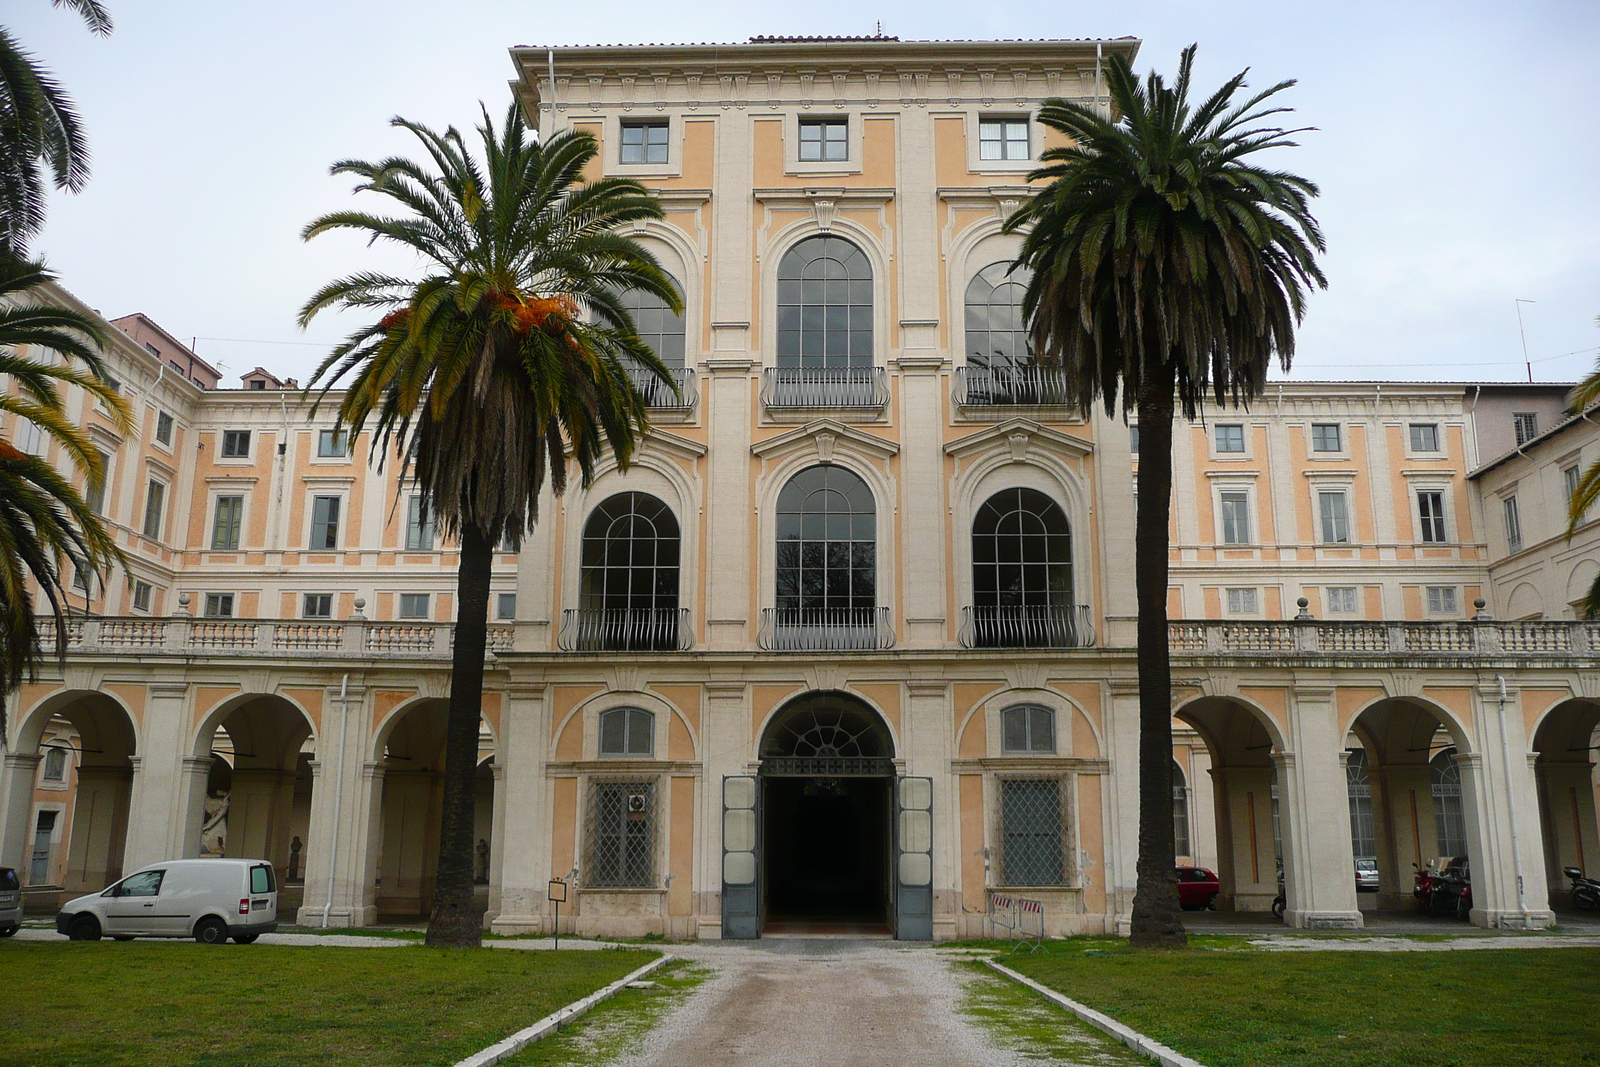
[1013, 915]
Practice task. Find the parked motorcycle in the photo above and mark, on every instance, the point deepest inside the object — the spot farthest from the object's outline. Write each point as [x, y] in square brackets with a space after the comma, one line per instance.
[1280, 903]
[1422, 887]
[1585, 891]
[1451, 890]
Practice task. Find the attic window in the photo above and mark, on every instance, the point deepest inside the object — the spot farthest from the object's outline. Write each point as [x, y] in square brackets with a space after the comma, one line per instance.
[257, 383]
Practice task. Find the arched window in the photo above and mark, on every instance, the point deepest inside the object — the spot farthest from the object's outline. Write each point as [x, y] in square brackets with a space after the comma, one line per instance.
[824, 305]
[627, 732]
[664, 332]
[1022, 575]
[1180, 812]
[1358, 783]
[1448, 818]
[997, 335]
[827, 574]
[628, 594]
[1027, 728]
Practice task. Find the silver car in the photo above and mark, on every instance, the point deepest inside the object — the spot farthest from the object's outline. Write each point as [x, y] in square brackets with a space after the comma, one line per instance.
[10, 902]
[1366, 876]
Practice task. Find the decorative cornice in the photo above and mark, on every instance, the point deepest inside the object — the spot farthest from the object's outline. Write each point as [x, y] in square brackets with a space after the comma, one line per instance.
[1020, 435]
[825, 435]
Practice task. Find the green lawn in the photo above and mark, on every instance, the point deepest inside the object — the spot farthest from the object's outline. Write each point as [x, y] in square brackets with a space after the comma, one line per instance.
[1244, 1008]
[152, 1004]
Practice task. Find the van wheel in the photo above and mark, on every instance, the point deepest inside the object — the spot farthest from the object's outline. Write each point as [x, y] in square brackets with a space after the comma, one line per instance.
[122, 937]
[211, 931]
[84, 928]
[8, 931]
[245, 939]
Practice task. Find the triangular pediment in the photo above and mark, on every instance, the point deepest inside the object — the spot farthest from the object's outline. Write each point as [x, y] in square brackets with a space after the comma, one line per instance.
[1019, 435]
[824, 435]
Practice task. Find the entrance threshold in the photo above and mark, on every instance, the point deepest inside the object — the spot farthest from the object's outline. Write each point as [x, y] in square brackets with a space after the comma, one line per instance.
[825, 928]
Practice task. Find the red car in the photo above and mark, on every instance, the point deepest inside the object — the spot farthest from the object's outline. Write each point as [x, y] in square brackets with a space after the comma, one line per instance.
[1197, 887]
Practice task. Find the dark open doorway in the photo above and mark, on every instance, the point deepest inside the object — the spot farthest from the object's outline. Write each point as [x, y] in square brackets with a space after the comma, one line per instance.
[827, 850]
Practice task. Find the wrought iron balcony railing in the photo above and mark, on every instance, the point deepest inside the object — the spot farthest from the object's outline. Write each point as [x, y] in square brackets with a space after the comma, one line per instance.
[824, 387]
[1029, 385]
[625, 630]
[824, 629]
[657, 394]
[1026, 627]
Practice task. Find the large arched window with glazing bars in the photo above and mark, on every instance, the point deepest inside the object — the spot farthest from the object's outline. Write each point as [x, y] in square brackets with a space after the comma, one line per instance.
[1022, 580]
[999, 369]
[664, 331]
[628, 579]
[825, 324]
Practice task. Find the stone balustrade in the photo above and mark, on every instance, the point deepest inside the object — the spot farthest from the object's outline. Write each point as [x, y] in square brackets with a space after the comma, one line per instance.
[183, 634]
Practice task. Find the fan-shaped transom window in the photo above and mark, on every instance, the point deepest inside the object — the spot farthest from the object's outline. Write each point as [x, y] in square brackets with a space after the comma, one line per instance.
[1027, 729]
[1022, 572]
[824, 306]
[827, 544]
[627, 732]
[997, 335]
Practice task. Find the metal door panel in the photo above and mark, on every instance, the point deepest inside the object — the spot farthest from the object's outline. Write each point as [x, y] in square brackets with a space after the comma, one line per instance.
[913, 912]
[741, 853]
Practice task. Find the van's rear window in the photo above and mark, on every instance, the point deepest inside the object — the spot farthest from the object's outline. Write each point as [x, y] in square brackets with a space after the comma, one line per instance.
[261, 880]
[9, 879]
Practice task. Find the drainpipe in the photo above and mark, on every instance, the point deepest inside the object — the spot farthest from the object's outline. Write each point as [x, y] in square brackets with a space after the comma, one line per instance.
[1097, 58]
[338, 792]
[550, 67]
[1511, 803]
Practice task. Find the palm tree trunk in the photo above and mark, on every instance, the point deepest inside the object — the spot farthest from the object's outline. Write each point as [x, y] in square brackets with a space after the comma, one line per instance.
[454, 923]
[1156, 920]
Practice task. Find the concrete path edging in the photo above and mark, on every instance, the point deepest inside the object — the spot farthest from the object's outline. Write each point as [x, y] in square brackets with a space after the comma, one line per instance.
[520, 1040]
[1141, 1044]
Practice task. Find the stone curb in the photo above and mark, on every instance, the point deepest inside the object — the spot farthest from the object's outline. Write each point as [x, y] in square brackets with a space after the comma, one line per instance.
[520, 1040]
[1127, 1035]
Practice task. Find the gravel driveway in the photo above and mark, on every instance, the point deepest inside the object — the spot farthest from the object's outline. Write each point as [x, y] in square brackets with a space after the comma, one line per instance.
[801, 1002]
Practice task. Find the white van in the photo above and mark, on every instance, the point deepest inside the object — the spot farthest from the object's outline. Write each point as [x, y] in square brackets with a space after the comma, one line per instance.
[209, 900]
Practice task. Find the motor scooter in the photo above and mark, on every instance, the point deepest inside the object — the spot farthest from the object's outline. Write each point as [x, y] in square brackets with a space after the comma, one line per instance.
[1451, 890]
[1585, 891]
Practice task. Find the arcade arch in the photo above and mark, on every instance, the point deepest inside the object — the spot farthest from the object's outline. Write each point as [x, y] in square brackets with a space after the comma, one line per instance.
[1564, 748]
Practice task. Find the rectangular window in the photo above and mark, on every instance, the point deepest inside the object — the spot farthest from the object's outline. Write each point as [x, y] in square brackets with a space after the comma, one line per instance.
[1441, 599]
[141, 595]
[1032, 832]
[257, 383]
[115, 384]
[324, 522]
[1230, 438]
[163, 428]
[419, 529]
[1424, 437]
[1430, 510]
[1325, 437]
[155, 499]
[55, 764]
[1513, 524]
[1333, 507]
[317, 606]
[1527, 426]
[95, 492]
[219, 605]
[414, 605]
[506, 606]
[80, 580]
[332, 444]
[1341, 599]
[225, 528]
[824, 139]
[1133, 439]
[1243, 602]
[30, 438]
[644, 142]
[1235, 517]
[1570, 478]
[622, 838]
[235, 444]
[1003, 139]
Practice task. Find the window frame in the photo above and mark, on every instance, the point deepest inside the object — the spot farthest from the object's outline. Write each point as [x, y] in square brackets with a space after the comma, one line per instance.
[1033, 715]
[1521, 419]
[644, 125]
[1511, 516]
[1327, 599]
[232, 438]
[58, 754]
[807, 326]
[1242, 452]
[1440, 523]
[1009, 876]
[1450, 592]
[419, 536]
[782, 522]
[1005, 141]
[1338, 448]
[824, 124]
[218, 601]
[632, 717]
[236, 523]
[155, 507]
[1341, 521]
[165, 425]
[95, 489]
[340, 435]
[400, 606]
[148, 589]
[323, 600]
[1254, 595]
[1223, 493]
[1413, 448]
[330, 523]
[501, 600]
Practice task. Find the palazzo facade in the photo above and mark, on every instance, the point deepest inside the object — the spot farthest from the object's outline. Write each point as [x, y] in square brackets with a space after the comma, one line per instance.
[852, 641]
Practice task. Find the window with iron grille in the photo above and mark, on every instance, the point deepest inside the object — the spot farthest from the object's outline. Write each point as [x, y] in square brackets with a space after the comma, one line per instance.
[1032, 832]
[1526, 424]
[824, 139]
[644, 142]
[1003, 139]
[225, 526]
[235, 444]
[622, 834]
[1325, 437]
[325, 522]
[627, 732]
[1430, 510]
[1027, 728]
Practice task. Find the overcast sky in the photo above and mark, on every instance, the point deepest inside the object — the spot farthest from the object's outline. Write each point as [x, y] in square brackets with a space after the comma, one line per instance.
[1458, 149]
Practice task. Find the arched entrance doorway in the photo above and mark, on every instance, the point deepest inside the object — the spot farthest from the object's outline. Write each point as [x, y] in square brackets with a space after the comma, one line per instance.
[1565, 744]
[827, 777]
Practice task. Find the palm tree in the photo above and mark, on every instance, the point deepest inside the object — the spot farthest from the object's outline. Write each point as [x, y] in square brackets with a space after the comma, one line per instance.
[510, 350]
[1587, 491]
[1166, 265]
[45, 525]
[39, 129]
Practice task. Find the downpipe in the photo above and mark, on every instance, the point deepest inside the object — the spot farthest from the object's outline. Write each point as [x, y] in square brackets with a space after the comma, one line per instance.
[338, 793]
[1511, 804]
